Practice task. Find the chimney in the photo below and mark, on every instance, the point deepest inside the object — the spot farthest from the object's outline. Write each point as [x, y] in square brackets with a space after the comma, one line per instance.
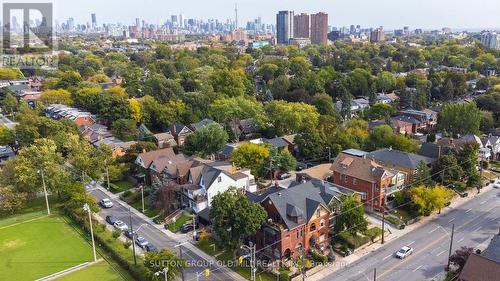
[143, 150]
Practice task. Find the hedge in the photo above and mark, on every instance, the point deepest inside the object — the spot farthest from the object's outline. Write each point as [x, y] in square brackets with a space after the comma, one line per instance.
[353, 242]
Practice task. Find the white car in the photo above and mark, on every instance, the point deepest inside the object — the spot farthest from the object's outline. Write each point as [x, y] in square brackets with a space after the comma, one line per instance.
[496, 184]
[120, 225]
[404, 252]
[141, 242]
[106, 203]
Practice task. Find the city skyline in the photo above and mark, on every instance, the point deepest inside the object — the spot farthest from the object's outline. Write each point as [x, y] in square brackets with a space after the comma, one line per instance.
[341, 12]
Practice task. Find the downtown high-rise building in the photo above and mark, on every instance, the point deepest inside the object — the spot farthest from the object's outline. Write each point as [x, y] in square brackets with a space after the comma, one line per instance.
[319, 28]
[94, 20]
[284, 27]
[491, 40]
[301, 26]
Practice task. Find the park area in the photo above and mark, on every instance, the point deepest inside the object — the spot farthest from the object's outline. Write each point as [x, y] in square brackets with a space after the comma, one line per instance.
[34, 245]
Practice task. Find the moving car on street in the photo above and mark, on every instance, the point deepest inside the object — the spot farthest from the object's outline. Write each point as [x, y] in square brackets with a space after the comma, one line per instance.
[111, 219]
[404, 252]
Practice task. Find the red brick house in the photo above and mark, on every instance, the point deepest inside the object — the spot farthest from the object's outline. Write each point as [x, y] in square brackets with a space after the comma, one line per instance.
[299, 218]
[374, 182]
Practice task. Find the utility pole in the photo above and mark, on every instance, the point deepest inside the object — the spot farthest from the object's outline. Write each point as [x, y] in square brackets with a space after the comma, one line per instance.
[451, 245]
[132, 231]
[107, 173]
[142, 197]
[86, 208]
[180, 256]
[375, 274]
[383, 227]
[254, 262]
[442, 177]
[329, 154]
[45, 190]
[480, 175]
[194, 228]
[252, 248]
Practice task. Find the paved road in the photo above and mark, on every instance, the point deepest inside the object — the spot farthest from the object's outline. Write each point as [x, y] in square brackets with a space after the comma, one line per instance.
[475, 223]
[162, 241]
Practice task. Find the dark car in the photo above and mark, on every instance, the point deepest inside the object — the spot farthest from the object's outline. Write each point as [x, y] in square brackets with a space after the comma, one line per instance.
[150, 248]
[129, 234]
[301, 166]
[187, 227]
[111, 219]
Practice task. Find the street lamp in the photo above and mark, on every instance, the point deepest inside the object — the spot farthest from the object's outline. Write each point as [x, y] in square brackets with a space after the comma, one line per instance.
[164, 271]
[251, 247]
[180, 256]
[41, 171]
[87, 209]
[142, 197]
[107, 172]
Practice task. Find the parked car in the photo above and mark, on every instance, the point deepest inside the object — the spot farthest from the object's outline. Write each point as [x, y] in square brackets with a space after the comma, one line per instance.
[301, 166]
[496, 184]
[129, 234]
[404, 252]
[111, 219]
[120, 225]
[187, 227]
[141, 242]
[283, 176]
[106, 203]
[150, 248]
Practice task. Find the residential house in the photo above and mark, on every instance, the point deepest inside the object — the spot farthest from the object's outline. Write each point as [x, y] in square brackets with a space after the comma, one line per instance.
[319, 172]
[357, 105]
[375, 183]
[493, 144]
[118, 147]
[6, 153]
[485, 266]
[383, 98]
[164, 140]
[95, 132]
[145, 159]
[180, 132]
[244, 128]
[208, 179]
[58, 111]
[401, 161]
[144, 133]
[299, 219]
[7, 122]
[198, 125]
[406, 125]
[292, 146]
[286, 142]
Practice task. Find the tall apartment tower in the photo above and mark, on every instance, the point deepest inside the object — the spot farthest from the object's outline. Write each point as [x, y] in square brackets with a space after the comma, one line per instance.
[284, 26]
[301, 26]
[319, 28]
[491, 40]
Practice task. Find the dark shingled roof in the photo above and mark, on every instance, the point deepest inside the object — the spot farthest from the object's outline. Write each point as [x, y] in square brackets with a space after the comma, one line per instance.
[399, 158]
[493, 250]
[479, 268]
[303, 200]
[277, 142]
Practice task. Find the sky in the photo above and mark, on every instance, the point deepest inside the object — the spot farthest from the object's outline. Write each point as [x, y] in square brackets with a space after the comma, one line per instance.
[426, 14]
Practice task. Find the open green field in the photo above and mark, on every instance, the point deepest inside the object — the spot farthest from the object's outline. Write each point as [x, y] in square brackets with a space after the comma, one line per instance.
[101, 271]
[39, 247]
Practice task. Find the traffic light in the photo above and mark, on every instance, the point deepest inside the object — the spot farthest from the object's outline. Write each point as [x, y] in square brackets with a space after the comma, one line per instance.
[206, 272]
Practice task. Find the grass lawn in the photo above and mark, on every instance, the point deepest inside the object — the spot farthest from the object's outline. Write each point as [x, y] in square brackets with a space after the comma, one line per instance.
[34, 209]
[120, 186]
[39, 247]
[176, 226]
[101, 271]
[207, 246]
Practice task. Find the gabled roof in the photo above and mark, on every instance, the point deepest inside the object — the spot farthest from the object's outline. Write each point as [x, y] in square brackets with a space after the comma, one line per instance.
[359, 167]
[149, 157]
[399, 158]
[163, 136]
[177, 128]
[492, 252]
[277, 142]
[480, 268]
[303, 200]
[198, 125]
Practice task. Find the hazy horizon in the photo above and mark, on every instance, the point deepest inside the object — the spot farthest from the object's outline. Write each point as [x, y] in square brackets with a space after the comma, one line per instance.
[425, 14]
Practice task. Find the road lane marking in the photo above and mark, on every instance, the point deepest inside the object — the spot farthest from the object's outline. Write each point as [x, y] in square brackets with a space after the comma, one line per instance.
[483, 202]
[411, 242]
[478, 228]
[434, 229]
[468, 211]
[387, 257]
[451, 220]
[417, 268]
[461, 239]
[438, 254]
[390, 269]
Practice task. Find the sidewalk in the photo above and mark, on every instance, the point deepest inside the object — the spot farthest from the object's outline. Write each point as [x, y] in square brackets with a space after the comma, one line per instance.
[396, 233]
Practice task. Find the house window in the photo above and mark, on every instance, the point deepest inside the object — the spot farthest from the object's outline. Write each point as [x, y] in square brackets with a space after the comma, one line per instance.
[312, 227]
[345, 178]
[321, 238]
[322, 223]
[219, 179]
[353, 181]
[363, 196]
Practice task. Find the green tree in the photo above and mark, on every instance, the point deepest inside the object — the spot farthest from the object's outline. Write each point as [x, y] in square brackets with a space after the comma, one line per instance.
[206, 141]
[423, 174]
[431, 199]
[385, 81]
[310, 144]
[12, 200]
[459, 118]
[235, 217]
[251, 156]
[159, 260]
[6, 136]
[282, 160]
[9, 103]
[379, 111]
[125, 129]
[290, 118]
[324, 105]
[229, 82]
[351, 215]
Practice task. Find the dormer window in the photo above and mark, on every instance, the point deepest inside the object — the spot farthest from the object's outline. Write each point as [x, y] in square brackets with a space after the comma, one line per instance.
[219, 179]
